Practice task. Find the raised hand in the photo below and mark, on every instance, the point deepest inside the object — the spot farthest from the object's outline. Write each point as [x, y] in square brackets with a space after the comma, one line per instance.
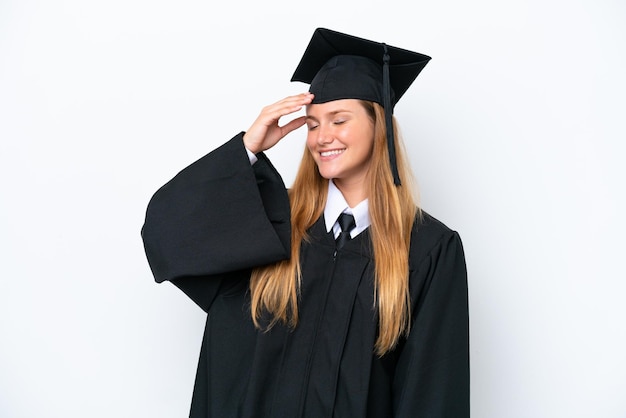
[265, 131]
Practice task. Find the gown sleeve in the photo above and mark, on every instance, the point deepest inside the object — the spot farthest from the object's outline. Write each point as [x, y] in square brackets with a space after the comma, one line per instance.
[217, 217]
[432, 374]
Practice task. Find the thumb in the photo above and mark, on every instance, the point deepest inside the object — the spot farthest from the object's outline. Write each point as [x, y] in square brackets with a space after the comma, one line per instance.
[293, 125]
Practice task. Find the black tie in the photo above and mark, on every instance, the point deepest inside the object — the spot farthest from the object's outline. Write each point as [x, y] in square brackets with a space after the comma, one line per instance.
[346, 222]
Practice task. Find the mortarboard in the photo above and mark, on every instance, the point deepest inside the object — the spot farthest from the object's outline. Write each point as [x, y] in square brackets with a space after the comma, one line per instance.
[341, 66]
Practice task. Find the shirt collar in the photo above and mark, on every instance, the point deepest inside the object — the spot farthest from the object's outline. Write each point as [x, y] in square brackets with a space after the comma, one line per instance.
[336, 205]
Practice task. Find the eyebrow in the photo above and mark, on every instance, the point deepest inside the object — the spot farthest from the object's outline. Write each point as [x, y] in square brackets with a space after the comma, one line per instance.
[332, 113]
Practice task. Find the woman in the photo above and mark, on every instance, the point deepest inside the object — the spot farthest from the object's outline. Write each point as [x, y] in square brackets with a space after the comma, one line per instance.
[309, 316]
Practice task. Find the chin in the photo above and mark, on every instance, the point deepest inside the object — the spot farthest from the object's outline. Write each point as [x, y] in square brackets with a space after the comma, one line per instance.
[328, 175]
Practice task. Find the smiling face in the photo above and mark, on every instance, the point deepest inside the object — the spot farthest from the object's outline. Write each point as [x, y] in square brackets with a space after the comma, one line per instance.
[341, 140]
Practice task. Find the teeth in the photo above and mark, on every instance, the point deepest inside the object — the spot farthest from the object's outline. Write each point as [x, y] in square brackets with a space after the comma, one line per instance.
[329, 153]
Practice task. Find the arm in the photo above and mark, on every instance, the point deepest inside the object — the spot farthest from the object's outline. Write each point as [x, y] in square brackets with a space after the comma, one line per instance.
[217, 216]
[221, 216]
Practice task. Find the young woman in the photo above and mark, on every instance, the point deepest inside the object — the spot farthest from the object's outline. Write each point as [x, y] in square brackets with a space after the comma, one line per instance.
[338, 297]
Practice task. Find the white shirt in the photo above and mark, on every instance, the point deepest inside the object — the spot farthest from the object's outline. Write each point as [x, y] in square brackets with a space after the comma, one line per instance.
[336, 205]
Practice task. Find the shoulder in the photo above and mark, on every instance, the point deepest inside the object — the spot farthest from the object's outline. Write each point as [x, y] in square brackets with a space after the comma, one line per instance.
[428, 236]
[427, 229]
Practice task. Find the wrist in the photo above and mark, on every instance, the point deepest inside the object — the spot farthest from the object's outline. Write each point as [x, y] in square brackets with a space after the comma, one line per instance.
[249, 147]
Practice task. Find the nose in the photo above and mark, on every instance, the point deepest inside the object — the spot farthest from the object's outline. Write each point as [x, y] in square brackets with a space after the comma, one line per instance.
[324, 135]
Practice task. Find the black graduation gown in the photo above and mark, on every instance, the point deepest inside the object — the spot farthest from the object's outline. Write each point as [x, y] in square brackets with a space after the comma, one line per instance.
[218, 218]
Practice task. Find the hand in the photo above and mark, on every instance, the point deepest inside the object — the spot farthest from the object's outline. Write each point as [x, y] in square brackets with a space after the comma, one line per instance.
[265, 131]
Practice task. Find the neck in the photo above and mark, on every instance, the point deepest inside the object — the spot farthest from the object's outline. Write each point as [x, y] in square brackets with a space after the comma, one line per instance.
[353, 192]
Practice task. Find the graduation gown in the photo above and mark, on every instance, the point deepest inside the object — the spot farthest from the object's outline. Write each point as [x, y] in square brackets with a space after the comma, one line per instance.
[220, 217]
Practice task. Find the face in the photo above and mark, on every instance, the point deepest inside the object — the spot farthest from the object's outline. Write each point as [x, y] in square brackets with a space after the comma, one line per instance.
[341, 139]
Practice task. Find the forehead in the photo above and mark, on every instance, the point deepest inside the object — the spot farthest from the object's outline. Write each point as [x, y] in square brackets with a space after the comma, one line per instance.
[334, 106]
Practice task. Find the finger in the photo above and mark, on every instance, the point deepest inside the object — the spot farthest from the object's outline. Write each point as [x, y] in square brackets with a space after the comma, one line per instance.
[293, 125]
[287, 106]
[298, 99]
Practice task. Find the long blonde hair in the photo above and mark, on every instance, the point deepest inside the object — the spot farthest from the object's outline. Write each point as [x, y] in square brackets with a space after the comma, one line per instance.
[274, 288]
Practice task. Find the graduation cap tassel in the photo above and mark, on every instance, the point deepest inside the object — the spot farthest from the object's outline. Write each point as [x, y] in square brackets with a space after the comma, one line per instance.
[388, 117]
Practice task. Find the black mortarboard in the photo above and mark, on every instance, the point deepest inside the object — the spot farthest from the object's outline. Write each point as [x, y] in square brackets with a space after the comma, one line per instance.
[341, 66]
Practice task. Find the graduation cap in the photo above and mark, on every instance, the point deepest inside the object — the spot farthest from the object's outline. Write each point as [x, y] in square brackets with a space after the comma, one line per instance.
[342, 66]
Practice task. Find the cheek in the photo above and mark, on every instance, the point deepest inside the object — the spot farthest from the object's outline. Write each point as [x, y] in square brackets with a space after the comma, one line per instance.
[368, 143]
[310, 142]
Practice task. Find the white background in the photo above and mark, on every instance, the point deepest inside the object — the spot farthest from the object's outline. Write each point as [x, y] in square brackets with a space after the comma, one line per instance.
[515, 131]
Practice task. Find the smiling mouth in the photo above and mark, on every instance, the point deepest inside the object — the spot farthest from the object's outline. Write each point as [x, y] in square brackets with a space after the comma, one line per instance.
[332, 152]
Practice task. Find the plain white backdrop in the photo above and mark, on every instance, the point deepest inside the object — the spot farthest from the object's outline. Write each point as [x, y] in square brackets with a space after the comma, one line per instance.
[516, 133]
